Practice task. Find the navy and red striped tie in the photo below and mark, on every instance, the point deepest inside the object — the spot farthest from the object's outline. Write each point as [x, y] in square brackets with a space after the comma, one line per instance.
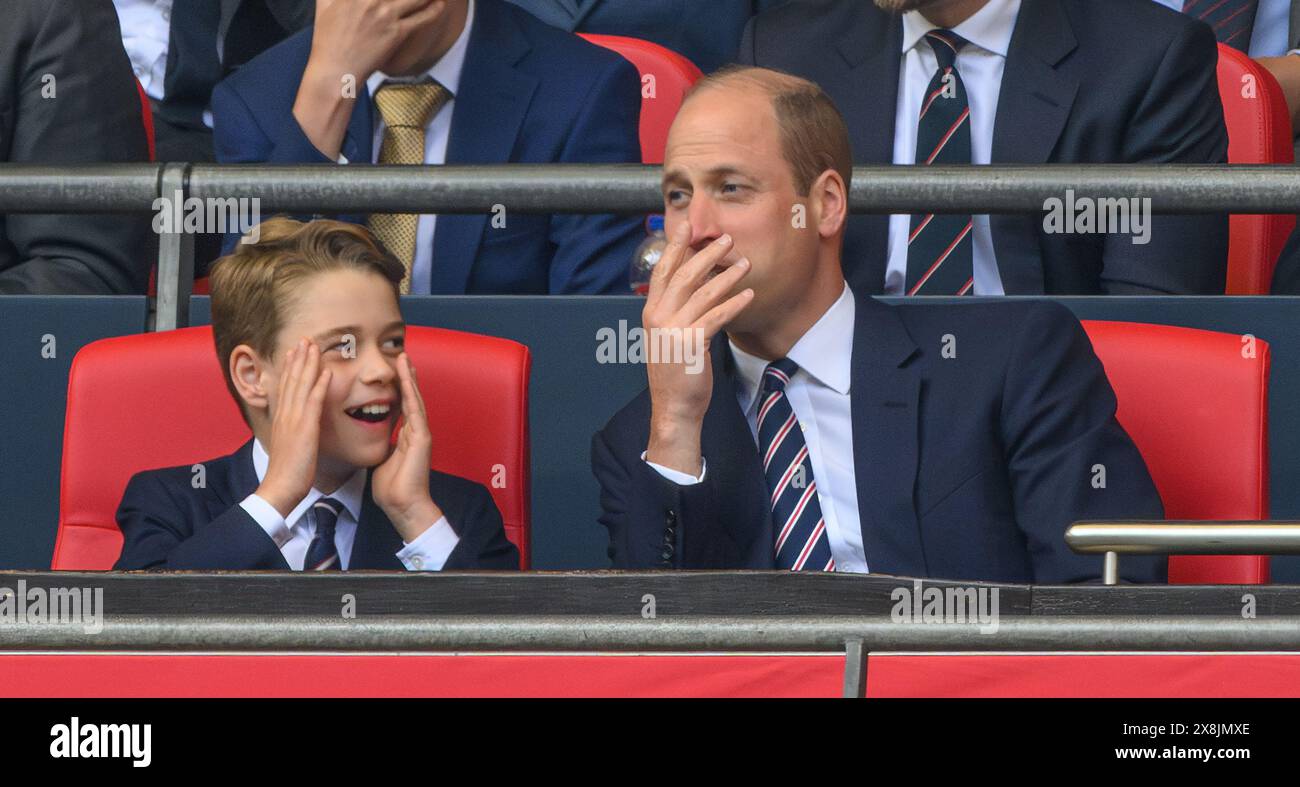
[802, 543]
[1232, 20]
[323, 555]
[939, 256]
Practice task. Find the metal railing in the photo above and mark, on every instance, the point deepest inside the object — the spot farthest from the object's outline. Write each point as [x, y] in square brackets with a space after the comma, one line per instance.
[1180, 537]
[594, 188]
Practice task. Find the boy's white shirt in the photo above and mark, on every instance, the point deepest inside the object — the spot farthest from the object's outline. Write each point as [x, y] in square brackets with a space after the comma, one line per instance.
[294, 534]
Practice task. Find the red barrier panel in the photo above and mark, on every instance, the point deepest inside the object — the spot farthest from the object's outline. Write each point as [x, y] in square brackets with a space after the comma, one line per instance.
[1084, 675]
[419, 675]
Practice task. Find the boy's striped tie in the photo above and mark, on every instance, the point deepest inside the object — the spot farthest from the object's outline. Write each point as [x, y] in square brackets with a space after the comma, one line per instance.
[802, 543]
[322, 555]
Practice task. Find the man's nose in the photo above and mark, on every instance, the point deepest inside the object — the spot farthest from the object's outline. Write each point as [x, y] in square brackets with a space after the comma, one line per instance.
[704, 223]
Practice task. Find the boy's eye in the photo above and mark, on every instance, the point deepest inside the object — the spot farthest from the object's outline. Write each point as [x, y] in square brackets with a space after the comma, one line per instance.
[396, 343]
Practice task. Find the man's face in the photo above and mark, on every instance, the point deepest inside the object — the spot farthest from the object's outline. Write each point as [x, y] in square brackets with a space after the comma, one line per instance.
[724, 173]
[427, 42]
[353, 318]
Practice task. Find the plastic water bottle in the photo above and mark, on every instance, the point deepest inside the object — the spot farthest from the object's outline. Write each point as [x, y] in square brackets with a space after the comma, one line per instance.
[647, 255]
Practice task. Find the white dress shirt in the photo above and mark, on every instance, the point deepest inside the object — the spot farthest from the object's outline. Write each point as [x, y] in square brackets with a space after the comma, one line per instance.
[146, 30]
[819, 395]
[1268, 38]
[980, 64]
[294, 534]
[445, 72]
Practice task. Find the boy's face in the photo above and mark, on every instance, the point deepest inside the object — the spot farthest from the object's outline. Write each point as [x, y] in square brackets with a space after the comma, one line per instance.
[353, 318]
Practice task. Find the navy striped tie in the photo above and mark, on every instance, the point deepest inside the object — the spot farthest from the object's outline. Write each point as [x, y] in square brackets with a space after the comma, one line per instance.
[323, 555]
[1232, 20]
[939, 256]
[802, 543]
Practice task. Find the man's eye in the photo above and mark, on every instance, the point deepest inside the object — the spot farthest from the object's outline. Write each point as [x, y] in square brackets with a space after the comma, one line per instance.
[675, 196]
[730, 188]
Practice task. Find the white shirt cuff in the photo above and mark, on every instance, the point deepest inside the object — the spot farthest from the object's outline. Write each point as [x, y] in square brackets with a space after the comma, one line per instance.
[430, 550]
[265, 515]
[343, 159]
[677, 476]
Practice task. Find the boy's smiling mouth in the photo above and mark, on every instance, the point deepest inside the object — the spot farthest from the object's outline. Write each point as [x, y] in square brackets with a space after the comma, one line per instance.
[373, 412]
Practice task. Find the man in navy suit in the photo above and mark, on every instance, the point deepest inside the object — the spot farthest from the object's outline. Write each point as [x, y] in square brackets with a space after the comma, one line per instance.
[489, 84]
[829, 431]
[1045, 81]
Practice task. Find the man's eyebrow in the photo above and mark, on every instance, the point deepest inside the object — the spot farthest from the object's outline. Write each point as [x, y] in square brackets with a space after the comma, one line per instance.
[715, 173]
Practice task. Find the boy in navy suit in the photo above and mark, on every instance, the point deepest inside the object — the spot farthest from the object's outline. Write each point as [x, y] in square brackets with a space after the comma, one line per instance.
[309, 335]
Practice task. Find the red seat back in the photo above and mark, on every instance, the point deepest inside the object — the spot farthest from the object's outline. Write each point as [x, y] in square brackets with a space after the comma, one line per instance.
[1259, 132]
[1196, 405]
[159, 400]
[146, 115]
[665, 78]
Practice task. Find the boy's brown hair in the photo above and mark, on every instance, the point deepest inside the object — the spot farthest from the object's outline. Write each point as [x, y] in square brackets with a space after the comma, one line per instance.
[254, 286]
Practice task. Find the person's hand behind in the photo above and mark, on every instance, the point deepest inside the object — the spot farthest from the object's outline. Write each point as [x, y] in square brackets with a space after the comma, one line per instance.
[295, 428]
[690, 307]
[357, 37]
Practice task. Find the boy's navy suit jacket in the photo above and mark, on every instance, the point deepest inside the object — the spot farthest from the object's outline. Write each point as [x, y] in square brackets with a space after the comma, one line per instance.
[968, 467]
[169, 524]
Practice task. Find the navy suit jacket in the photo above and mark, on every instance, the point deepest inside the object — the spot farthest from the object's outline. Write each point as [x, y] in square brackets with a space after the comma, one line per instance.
[706, 33]
[969, 467]
[168, 524]
[528, 94]
[1086, 81]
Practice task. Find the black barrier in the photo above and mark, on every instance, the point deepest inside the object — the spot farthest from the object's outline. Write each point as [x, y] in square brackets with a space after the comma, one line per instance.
[573, 395]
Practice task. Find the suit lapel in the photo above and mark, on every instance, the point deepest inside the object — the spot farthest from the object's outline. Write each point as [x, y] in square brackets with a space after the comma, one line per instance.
[871, 52]
[1033, 105]
[377, 542]
[231, 487]
[885, 402]
[488, 113]
[734, 466]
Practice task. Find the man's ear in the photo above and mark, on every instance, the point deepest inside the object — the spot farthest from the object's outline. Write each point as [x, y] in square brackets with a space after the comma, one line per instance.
[251, 375]
[830, 196]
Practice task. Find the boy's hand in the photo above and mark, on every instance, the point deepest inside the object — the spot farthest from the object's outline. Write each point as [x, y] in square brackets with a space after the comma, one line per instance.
[295, 428]
[401, 484]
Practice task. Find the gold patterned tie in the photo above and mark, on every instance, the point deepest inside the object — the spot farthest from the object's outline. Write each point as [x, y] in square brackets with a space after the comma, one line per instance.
[406, 109]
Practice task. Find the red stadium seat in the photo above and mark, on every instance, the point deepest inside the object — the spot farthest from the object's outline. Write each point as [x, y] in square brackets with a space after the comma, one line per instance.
[672, 76]
[1196, 404]
[146, 114]
[159, 399]
[1259, 132]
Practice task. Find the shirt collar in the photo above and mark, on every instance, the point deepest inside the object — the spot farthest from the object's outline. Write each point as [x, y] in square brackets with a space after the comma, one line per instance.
[349, 494]
[445, 72]
[989, 28]
[825, 352]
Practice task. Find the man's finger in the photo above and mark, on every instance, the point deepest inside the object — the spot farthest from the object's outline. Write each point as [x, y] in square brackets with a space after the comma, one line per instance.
[669, 261]
[717, 317]
[714, 291]
[693, 272]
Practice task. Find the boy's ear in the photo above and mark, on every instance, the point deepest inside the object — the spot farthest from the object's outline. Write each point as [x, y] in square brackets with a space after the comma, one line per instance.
[248, 371]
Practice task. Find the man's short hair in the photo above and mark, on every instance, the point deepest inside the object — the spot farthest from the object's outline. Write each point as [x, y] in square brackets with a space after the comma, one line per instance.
[814, 137]
[254, 287]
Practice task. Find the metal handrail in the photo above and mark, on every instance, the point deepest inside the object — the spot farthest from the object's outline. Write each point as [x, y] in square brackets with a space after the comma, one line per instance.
[1181, 537]
[634, 188]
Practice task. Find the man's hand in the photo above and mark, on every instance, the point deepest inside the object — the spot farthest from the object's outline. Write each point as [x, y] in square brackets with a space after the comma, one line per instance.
[691, 307]
[295, 428]
[351, 40]
[401, 484]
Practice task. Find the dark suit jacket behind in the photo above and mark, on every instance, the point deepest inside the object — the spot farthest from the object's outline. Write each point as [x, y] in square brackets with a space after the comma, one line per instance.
[168, 524]
[968, 467]
[528, 94]
[1086, 81]
[93, 117]
[706, 33]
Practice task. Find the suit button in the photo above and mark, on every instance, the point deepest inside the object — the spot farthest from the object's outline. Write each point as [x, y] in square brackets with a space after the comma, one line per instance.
[667, 554]
[672, 517]
[670, 535]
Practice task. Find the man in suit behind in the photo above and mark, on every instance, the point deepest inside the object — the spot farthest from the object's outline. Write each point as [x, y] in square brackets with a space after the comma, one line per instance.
[1047, 81]
[454, 82]
[830, 431]
[67, 97]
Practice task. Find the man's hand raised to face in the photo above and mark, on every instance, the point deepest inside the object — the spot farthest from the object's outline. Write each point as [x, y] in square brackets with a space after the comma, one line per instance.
[351, 40]
[686, 304]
